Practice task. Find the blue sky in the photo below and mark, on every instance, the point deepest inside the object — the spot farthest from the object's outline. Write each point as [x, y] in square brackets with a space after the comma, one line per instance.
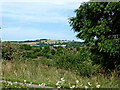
[41, 19]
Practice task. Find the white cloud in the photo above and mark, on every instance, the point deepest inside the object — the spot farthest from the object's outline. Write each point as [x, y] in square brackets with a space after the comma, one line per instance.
[38, 12]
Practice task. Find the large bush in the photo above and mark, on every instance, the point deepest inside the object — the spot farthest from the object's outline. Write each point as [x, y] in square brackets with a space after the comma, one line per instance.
[78, 61]
[11, 51]
[26, 47]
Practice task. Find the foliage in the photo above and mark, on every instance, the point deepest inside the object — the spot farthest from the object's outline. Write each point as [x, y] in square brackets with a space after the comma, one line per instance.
[33, 71]
[97, 23]
[60, 50]
[78, 61]
[26, 47]
[11, 51]
[53, 52]
[46, 49]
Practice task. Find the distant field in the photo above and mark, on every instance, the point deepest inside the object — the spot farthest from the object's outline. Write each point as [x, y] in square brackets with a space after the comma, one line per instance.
[30, 43]
[35, 43]
[44, 42]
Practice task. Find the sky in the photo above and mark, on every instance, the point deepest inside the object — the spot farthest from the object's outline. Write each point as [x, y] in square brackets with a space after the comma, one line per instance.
[37, 19]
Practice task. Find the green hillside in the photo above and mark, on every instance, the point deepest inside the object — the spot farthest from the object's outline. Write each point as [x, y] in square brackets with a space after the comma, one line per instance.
[44, 42]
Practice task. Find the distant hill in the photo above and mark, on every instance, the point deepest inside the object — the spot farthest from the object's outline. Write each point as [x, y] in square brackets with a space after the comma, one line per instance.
[43, 42]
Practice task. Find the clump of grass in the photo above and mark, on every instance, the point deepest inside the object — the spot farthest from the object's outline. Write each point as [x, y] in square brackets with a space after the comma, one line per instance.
[35, 72]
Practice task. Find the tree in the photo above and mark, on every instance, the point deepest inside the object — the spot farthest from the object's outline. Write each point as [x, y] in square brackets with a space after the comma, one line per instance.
[46, 49]
[53, 52]
[98, 23]
[26, 47]
[11, 51]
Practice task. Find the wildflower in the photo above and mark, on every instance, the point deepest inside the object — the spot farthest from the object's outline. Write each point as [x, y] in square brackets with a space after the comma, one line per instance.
[29, 84]
[62, 79]
[25, 81]
[89, 84]
[15, 82]
[98, 86]
[73, 86]
[39, 85]
[11, 84]
[77, 81]
[57, 83]
[43, 84]
[58, 87]
[86, 87]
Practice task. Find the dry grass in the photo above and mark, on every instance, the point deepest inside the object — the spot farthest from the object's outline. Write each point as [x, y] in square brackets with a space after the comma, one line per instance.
[33, 71]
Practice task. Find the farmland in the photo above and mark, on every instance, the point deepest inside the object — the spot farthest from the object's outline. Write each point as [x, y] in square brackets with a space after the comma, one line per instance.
[43, 42]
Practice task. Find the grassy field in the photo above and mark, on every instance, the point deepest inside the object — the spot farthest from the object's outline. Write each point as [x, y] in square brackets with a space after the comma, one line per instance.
[37, 73]
[46, 42]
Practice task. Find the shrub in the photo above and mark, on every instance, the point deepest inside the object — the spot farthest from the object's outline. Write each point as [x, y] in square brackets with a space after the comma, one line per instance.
[26, 47]
[53, 52]
[78, 61]
[46, 49]
[11, 51]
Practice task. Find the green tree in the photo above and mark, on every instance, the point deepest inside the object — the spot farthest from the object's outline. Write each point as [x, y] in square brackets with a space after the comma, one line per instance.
[98, 23]
[26, 47]
[78, 48]
[46, 49]
[53, 52]
[11, 51]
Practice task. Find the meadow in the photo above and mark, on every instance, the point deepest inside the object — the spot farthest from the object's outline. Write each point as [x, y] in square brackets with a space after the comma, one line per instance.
[35, 72]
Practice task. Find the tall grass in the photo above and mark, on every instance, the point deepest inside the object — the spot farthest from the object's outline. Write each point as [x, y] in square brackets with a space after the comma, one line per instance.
[34, 71]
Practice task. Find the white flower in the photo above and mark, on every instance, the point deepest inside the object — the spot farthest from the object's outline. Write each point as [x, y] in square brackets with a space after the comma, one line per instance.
[39, 85]
[25, 81]
[98, 86]
[86, 87]
[73, 86]
[58, 87]
[15, 82]
[57, 83]
[62, 79]
[89, 84]
[77, 81]
[43, 84]
[11, 84]
[29, 84]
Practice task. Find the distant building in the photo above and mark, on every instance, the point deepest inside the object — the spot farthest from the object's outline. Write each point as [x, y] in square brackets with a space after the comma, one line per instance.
[60, 45]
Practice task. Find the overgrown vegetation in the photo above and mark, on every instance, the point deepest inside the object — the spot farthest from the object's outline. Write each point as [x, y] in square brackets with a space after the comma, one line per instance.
[37, 73]
[94, 65]
[55, 64]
